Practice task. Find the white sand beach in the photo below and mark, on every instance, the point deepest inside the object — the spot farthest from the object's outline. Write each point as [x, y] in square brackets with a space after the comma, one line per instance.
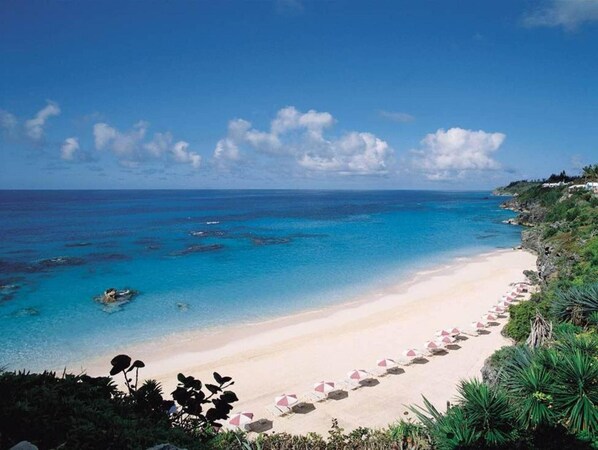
[290, 354]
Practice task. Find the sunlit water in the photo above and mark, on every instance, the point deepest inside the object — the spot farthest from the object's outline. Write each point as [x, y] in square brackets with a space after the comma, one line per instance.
[261, 254]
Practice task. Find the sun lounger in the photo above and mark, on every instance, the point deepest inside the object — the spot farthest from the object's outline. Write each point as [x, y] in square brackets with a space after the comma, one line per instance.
[277, 411]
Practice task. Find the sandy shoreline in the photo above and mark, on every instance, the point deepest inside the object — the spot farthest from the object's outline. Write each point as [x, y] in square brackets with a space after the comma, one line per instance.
[289, 354]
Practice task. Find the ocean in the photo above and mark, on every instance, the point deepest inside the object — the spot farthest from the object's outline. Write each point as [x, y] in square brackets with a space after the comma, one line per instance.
[201, 259]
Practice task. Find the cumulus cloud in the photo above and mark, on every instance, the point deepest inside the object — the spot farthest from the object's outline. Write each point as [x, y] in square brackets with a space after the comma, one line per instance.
[68, 148]
[569, 14]
[301, 138]
[34, 128]
[181, 154]
[452, 153]
[400, 117]
[132, 147]
[8, 122]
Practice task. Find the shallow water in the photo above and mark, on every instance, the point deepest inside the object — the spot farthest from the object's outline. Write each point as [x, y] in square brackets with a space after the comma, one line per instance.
[205, 258]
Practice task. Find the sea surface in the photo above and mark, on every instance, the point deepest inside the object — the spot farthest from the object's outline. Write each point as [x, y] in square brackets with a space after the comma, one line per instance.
[201, 259]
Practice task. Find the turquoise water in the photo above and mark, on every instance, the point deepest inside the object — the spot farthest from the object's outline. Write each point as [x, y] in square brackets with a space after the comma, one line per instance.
[225, 256]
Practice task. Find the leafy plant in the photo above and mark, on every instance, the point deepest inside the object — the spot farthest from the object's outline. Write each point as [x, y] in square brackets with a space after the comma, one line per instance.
[576, 304]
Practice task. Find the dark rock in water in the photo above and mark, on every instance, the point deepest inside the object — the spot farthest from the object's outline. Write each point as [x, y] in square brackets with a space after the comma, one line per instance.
[153, 247]
[260, 240]
[77, 244]
[208, 233]
[15, 267]
[102, 257]
[307, 235]
[113, 299]
[59, 261]
[182, 306]
[24, 445]
[8, 288]
[26, 312]
[198, 249]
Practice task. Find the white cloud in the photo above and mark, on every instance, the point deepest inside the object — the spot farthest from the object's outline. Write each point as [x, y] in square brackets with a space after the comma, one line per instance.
[123, 144]
[35, 127]
[300, 137]
[132, 147]
[181, 154]
[454, 152]
[569, 14]
[8, 122]
[400, 117]
[354, 153]
[68, 148]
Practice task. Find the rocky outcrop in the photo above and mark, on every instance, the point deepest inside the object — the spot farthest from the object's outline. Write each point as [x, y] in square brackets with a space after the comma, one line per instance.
[489, 373]
[528, 213]
[532, 215]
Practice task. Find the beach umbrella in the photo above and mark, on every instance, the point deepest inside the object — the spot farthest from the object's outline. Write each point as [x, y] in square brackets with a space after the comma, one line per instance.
[412, 353]
[324, 387]
[286, 400]
[241, 419]
[446, 340]
[491, 317]
[504, 304]
[497, 309]
[444, 332]
[455, 331]
[386, 362]
[432, 345]
[507, 298]
[358, 374]
[478, 325]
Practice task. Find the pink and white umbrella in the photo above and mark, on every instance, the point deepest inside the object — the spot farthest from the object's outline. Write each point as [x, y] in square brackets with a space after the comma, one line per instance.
[504, 304]
[324, 387]
[241, 419]
[446, 340]
[507, 298]
[412, 353]
[497, 309]
[358, 374]
[478, 325]
[386, 362]
[432, 345]
[491, 317]
[286, 400]
[445, 332]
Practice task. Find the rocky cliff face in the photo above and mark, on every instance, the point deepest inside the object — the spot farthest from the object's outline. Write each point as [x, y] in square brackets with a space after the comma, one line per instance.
[532, 215]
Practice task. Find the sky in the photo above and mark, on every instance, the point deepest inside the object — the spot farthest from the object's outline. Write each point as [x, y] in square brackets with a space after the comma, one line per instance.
[295, 93]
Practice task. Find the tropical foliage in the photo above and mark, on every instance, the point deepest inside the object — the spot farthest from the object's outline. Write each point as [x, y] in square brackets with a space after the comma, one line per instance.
[83, 412]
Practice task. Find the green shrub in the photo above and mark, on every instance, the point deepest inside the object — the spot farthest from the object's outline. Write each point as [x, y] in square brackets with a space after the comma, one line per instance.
[520, 317]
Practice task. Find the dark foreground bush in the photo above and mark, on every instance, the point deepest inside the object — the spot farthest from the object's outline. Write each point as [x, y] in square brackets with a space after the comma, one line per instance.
[82, 412]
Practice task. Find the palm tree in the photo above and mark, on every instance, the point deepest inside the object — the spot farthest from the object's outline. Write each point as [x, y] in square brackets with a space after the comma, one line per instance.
[488, 410]
[575, 391]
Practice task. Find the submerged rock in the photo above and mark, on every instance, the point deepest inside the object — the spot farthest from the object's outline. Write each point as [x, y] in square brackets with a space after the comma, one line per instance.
[26, 312]
[182, 306]
[9, 287]
[113, 299]
[261, 240]
[208, 233]
[77, 244]
[59, 261]
[198, 249]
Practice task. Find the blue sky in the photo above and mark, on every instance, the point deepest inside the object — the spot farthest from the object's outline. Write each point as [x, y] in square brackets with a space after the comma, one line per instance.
[295, 94]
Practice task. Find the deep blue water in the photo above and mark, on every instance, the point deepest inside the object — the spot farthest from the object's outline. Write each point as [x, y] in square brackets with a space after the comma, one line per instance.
[267, 253]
